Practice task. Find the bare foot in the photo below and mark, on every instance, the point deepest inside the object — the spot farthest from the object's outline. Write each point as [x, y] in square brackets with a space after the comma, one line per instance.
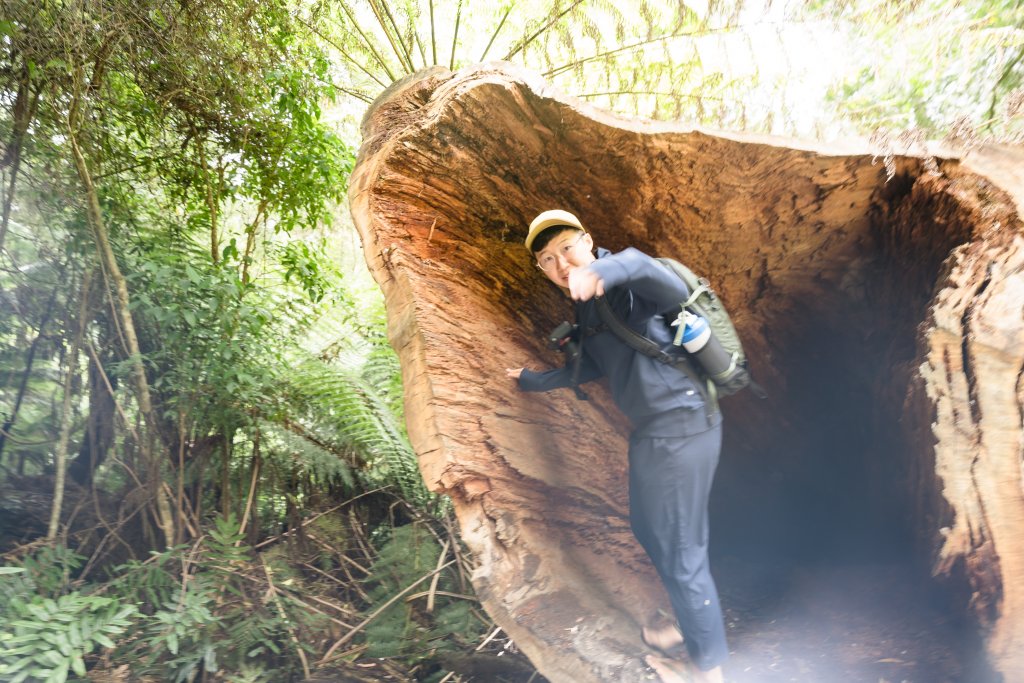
[712, 676]
[668, 670]
[665, 638]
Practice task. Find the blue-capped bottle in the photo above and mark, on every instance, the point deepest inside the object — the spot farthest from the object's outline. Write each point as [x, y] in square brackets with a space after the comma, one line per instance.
[695, 335]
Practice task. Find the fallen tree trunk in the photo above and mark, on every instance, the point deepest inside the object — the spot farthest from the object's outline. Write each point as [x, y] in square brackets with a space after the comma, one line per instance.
[883, 316]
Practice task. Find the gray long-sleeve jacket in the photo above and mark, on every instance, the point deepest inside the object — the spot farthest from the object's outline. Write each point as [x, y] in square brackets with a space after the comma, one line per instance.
[639, 289]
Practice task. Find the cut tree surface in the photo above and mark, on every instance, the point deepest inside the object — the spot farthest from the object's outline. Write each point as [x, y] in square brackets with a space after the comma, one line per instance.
[883, 315]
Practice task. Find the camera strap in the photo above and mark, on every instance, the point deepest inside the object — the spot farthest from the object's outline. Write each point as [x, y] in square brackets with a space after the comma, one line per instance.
[574, 377]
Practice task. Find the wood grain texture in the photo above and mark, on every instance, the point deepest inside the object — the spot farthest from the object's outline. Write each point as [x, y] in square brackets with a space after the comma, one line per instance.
[890, 310]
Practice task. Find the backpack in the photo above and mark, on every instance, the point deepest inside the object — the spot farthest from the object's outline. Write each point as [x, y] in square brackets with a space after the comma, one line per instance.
[705, 303]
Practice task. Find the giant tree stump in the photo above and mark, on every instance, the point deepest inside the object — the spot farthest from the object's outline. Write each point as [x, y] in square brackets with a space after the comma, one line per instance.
[883, 316]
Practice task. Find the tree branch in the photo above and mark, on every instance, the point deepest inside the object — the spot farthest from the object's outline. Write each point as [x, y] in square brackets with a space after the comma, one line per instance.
[398, 596]
[495, 34]
[526, 41]
[455, 37]
[398, 35]
[121, 301]
[390, 38]
[367, 42]
[643, 43]
[349, 58]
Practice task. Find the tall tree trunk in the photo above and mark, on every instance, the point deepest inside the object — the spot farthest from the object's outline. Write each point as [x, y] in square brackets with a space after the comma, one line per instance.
[23, 111]
[122, 305]
[61, 452]
[882, 316]
[211, 199]
[99, 435]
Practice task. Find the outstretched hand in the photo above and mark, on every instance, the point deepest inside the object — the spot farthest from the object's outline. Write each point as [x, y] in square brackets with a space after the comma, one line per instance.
[585, 284]
[513, 373]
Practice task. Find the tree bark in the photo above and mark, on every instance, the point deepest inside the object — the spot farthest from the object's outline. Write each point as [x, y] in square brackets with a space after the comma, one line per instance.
[122, 310]
[23, 112]
[60, 455]
[883, 318]
[99, 431]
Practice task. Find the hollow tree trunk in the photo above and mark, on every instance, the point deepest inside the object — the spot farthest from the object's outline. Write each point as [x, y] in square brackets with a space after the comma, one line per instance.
[883, 318]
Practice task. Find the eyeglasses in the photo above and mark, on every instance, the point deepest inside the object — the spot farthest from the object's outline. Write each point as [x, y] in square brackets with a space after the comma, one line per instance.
[548, 261]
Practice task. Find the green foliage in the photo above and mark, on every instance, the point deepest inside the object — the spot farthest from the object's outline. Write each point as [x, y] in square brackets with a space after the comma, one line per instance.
[209, 607]
[46, 629]
[310, 268]
[203, 128]
[899, 80]
[349, 412]
[49, 569]
[406, 630]
[218, 620]
[213, 617]
[313, 166]
[43, 638]
[214, 348]
[810, 69]
[635, 60]
[179, 638]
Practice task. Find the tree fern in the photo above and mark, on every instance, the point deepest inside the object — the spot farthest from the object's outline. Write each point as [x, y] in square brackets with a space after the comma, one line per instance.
[353, 416]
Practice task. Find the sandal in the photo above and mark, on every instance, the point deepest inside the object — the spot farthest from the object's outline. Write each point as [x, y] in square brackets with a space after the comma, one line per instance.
[657, 639]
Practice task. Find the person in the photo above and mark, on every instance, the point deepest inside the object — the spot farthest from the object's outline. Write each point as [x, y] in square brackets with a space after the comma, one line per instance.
[675, 439]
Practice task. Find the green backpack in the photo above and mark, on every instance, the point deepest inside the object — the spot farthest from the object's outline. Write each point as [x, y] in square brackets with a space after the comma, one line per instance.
[705, 303]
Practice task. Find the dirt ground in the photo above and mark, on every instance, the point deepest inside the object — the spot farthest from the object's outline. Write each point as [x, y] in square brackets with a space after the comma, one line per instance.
[834, 621]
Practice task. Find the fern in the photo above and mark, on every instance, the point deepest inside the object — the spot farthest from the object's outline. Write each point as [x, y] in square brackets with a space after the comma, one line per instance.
[406, 629]
[409, 554]
[352, 416]
[151, 582]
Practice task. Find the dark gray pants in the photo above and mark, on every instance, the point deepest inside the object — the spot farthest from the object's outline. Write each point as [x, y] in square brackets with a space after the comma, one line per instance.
[669, 484]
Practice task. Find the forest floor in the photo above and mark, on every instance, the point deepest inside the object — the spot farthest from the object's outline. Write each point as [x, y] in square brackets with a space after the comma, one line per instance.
[857, 616]
[834, 621]
[828, 621]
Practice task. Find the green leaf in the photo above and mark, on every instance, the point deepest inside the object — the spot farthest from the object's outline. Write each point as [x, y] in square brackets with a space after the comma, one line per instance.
[18, 664]
[104, 640]
[38, 612]
[63, 643]
[59, 674]
[78, 664]
[75, 635]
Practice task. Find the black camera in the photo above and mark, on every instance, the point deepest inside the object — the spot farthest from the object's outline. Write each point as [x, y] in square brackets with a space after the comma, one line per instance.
[561, 335]
[566, 337]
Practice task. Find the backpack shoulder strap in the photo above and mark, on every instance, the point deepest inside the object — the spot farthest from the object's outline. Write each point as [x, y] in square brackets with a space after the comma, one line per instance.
[630, 337]
[642, 344]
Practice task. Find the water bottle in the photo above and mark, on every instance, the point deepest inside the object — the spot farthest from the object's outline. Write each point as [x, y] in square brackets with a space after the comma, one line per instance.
[695, 336]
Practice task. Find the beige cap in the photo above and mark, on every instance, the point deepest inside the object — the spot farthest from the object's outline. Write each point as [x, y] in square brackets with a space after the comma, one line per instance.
[548, 219]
